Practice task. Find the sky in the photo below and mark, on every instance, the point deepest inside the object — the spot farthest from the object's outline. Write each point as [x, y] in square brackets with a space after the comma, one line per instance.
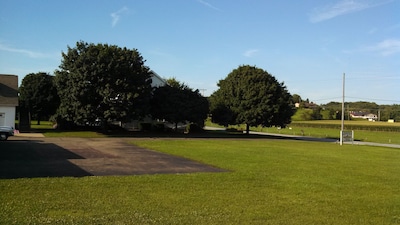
[308, 45]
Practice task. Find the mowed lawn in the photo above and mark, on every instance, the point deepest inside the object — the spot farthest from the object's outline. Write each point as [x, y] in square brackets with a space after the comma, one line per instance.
[267, 182]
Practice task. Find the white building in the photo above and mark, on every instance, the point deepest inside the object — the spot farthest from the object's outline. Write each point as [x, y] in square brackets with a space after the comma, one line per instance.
[363, 115]
[8, 99]
[156, 81]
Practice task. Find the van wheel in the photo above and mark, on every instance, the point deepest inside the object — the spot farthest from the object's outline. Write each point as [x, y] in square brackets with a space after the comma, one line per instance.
[3, 137]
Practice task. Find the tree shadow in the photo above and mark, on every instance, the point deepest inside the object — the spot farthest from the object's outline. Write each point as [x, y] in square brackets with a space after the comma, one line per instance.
[210, 134]
[31, 158]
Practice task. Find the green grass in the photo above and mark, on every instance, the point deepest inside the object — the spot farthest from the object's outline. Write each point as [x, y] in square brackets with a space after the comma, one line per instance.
[352, 122]
[316, 129]
[361, 135]
[82, 134]
[46, 127]
[270, 182]
[43, 125]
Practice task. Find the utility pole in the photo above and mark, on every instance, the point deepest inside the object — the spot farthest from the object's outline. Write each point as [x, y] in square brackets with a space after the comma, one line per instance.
[379, 114]
[342, 127]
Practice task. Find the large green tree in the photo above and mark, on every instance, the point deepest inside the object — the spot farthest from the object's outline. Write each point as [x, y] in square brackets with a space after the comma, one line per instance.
[101, 81]
[176, 102]
[38, 94]
[251, 96]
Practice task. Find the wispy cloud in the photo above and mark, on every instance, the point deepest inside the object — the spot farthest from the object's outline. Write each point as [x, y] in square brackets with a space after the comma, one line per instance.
[208, 5]
[343, 7]
[250, 53]
[116, 16]
[29, 53]
[386, 47]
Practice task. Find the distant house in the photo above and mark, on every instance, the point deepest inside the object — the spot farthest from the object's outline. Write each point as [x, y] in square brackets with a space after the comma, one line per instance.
[363, 115]
[156, 80]
[8, 99]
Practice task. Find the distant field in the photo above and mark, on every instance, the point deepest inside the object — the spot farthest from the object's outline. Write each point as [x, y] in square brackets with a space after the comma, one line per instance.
[380, 132]
[351, 122]
[269, 182]
[361, 135]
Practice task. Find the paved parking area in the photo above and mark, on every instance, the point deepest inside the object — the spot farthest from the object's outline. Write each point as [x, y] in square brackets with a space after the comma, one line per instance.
[58, 157]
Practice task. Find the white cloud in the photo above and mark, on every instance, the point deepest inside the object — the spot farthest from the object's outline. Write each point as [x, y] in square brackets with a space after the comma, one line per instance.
[26, 52]
[344, 7]
[116, 16]
[250, 53]
[208, 5]
[386, 47]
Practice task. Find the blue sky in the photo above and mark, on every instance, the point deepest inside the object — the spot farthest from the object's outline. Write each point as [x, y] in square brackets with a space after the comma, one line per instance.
[306, 44]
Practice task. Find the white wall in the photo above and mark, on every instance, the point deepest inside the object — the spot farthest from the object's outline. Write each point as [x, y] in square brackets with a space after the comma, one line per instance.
[9, 118]
[156, 80]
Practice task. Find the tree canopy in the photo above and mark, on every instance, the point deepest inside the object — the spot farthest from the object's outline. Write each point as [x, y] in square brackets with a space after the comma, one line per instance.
[251, 96]
[38, 95]
[296, 98]
[103, 82]
[176, 103]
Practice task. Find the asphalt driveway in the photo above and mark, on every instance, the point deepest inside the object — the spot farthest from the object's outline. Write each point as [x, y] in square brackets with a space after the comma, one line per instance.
[77, 157]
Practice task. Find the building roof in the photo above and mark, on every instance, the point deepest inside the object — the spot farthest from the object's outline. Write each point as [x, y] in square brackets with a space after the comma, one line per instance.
[157, 81]
[8, 90]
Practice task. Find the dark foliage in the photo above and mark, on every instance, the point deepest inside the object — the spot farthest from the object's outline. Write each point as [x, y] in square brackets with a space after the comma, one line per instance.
[102, 83]
[251, 96]
[38, 94]
[178, 103]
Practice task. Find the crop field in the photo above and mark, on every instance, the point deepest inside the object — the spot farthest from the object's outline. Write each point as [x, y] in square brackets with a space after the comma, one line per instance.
[380, 132]
[268, 181]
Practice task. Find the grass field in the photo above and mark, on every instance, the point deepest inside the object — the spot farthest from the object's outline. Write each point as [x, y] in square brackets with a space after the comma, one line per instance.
[319, 128]
[269, 182]
[370, 132]
[360, 135]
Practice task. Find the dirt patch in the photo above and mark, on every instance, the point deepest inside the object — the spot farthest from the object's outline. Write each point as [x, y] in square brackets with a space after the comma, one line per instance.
[58, 157]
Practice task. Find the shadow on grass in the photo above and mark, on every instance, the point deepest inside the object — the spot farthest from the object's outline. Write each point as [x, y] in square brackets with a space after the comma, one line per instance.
[96, 132]
[28, 159]
[211, 134]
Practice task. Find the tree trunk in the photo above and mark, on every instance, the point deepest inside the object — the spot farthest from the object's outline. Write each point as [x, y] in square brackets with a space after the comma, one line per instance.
[103, 123]
[38, 118]
[247, 128]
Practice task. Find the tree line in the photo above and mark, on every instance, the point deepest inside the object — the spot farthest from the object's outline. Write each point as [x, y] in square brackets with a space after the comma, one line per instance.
[106, 83]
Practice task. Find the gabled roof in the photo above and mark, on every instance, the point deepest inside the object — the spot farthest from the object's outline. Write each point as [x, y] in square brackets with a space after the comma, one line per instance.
[157, 81]
[8, 90]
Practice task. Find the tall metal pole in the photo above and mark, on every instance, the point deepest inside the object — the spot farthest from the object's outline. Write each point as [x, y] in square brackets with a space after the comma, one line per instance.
[342, 127]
